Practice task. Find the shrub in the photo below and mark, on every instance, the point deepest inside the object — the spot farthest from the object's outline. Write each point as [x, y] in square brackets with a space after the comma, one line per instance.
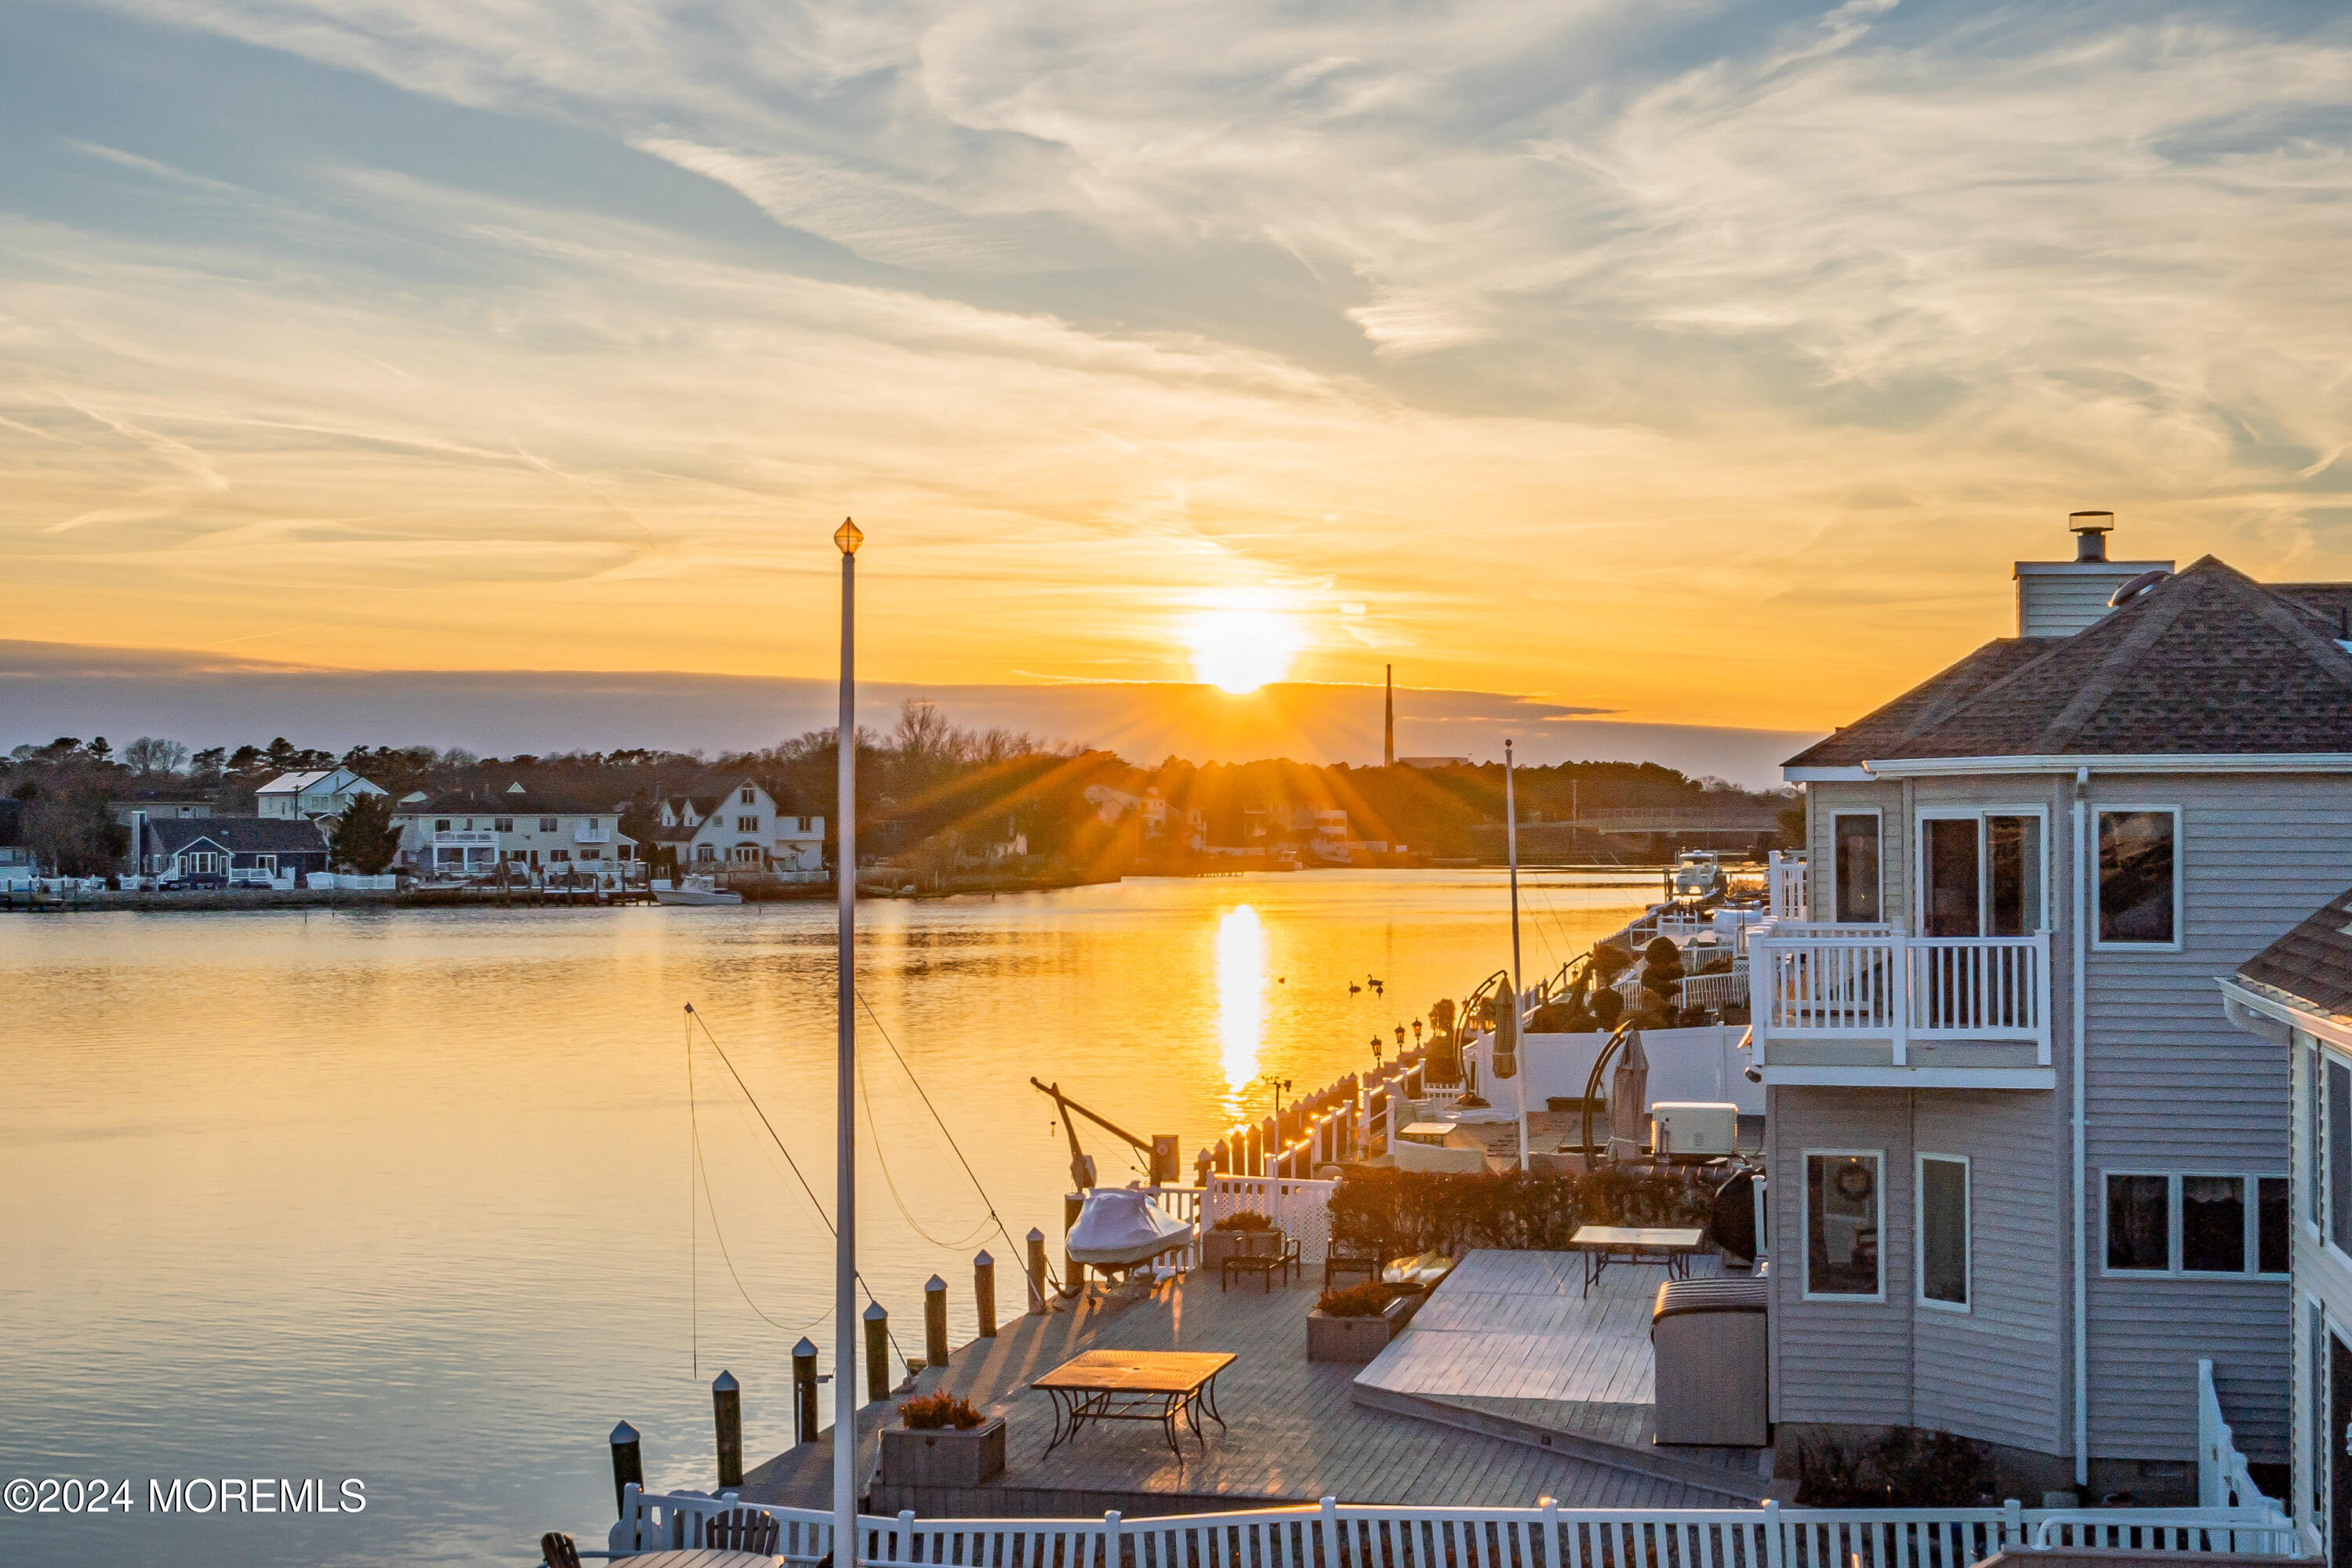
[1610, 961]
[1905, 1468]
[1367, 1301]
[1608, 1007]
[1661, 952]
[1244, 1219]
[933, 1412]
[1392, 1214]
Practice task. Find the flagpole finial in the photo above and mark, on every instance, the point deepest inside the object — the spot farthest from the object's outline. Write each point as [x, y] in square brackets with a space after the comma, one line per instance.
[848, 537]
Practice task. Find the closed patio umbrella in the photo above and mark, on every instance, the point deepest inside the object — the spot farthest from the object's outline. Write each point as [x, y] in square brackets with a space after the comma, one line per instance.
[1629, 1096]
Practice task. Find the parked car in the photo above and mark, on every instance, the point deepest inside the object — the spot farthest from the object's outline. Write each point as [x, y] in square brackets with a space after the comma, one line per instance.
[189, 881]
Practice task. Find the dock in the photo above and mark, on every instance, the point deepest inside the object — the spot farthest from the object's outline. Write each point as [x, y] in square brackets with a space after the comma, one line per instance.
[1299, 1431]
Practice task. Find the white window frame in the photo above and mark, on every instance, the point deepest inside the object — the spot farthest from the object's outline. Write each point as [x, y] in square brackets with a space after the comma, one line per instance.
[1919, 1233]
[2179, 882]
[1978, 813]
[1804, 1199]
[2326, 1232]
[751, 795]
[1876, 813]
[2173, 1241]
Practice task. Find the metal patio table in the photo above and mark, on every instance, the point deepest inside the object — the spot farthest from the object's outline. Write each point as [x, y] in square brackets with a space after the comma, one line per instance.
[1135, 1385]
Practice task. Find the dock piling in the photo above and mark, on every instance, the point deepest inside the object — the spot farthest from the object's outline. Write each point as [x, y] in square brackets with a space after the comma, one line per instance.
[804, 1391]
[935, 1321]
[726, 1409]
[1074, 1273]
[628, 1467]
[1037, 1271]
[983, 1294]
[877, 1354]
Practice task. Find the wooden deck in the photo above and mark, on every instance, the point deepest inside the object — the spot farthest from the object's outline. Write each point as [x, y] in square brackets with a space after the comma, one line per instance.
[1295, 1433]
[1510, 1345]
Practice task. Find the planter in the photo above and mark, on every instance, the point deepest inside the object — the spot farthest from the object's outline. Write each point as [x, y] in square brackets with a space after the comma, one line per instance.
[1217, 1246]
[1356, 1340]
[943, 1457]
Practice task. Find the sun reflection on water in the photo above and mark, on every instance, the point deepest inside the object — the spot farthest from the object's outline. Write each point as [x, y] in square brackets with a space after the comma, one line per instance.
[1241, 991]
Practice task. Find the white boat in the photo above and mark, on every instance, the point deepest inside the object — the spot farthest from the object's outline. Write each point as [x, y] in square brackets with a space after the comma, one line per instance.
[693, 892]
[1121, 1228]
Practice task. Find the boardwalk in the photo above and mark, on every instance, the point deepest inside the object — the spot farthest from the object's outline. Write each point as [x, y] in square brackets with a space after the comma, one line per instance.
[1295, 1433]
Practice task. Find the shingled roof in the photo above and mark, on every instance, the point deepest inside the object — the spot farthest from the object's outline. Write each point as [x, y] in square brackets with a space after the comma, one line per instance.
[2208, 662]
[2311, 965]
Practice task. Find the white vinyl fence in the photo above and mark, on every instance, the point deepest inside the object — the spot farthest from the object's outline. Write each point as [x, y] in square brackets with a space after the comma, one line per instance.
[1330, 1535]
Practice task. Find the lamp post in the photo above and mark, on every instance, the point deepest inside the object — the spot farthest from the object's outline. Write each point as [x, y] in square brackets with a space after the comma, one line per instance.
[844, 1199]
[1511, 834]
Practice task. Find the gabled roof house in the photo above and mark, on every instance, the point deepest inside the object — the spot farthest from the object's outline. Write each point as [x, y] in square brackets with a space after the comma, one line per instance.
[2026, 1177]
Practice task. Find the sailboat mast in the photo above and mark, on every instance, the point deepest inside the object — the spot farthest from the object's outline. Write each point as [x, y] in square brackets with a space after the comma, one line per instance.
[845, 1197]
[1511, 840]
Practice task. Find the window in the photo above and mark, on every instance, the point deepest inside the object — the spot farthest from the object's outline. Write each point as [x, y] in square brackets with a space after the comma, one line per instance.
[559, 854]
[1982, 874]
[441, 825]
[705, 852]
[746, 824]
[504, 825]
[1944, 1231]
[747, 852]
[1854, 845]
[2197, 1224]
[750, 796]
[2314, 1382]
[2315, 1155]
[1842, 1225]
[547, 825]
[2139, 887]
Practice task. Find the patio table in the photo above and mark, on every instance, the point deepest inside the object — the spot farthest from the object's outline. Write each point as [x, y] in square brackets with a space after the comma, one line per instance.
[1603, 1244]
[1135, 1385]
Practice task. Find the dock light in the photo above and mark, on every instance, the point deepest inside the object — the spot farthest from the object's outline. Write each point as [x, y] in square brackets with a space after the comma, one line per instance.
[1400, 1037]
[848, 537]
[1416, 1031]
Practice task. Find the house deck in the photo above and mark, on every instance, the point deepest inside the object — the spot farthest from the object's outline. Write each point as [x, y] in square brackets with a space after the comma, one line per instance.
[1296, 1431]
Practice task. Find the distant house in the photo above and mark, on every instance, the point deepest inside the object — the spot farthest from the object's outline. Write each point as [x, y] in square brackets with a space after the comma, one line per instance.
[741, 829]
[16, 869]
[243, 848]
[466, 835]
[313, 795]
[161, 807]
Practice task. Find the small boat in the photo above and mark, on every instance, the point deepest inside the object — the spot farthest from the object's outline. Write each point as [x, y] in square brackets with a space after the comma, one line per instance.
[693, 892]
[1121, 1228]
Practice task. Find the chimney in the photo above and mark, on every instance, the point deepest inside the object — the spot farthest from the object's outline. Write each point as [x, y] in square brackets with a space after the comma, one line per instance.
[2059, 598]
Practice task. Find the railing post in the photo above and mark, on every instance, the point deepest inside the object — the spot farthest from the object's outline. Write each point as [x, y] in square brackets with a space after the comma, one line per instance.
[1326, 1531]
[983, 1294]
[2013, 1524]
[1037, 1272]
[935, 1321]
[1899, 975]
[1551, 1533]
[905, 1552]
[1112, 1550]
[629, 1465]
[1776, 1546]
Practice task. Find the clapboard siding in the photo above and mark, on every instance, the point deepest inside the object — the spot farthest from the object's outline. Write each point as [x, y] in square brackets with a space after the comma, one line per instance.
[1847, 1361]
[2170, 1086]
[1997, 1371]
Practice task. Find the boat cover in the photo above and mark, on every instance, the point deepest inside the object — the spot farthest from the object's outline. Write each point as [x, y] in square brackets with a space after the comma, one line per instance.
[1121, 1227]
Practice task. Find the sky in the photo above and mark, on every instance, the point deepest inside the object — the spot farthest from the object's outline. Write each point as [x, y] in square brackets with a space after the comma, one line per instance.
[1675, 365]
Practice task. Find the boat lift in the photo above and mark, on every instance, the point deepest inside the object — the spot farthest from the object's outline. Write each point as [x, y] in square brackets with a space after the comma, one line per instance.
[1160, 1150]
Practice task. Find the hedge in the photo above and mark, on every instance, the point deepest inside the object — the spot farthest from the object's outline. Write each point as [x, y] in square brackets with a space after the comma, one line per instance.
[1393, 1213]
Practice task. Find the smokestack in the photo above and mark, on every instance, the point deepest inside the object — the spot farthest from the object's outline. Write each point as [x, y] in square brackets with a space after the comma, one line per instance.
[2090, 529]
[1388, 746]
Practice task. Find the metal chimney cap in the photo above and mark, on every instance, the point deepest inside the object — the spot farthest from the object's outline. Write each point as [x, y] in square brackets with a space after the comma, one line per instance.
[2090, 529]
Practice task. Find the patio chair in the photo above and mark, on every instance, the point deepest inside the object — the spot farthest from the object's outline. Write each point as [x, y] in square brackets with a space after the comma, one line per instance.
[1339, 1265]
[557, 1550]
[741, 1529]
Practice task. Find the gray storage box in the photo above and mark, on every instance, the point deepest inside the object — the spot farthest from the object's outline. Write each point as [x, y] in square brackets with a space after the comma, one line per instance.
[1707, 1344]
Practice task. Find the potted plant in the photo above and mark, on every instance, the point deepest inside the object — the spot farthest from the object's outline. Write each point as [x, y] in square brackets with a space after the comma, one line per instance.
[1355, 1324]
[1242, 1235]
[941, 1441]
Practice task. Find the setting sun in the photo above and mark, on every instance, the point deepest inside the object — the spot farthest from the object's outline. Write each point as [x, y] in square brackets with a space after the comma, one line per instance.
[1237, 651]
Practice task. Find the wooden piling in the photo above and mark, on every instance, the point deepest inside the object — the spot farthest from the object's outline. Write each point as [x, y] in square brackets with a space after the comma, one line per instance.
[804, 1422]
[983, 1294]
[935, 1321]
[1037, 1271]
[1074, 1273]
[877, 1354]
[628, 1464]
[726, 1409]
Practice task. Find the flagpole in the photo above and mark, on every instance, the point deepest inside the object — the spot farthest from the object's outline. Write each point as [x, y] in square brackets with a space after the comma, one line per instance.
[1511, 835]
[844, 1198]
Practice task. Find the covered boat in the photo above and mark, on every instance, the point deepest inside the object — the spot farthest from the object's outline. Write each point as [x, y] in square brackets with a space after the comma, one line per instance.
[1121, 1228]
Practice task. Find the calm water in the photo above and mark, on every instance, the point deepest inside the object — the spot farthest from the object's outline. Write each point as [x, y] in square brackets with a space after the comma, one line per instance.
[405, 1197]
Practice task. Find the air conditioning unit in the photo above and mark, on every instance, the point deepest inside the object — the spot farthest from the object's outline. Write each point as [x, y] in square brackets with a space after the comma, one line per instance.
[1707, 1129]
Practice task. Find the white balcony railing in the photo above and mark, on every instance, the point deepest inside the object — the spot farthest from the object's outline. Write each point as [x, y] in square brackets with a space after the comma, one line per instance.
[1875, 984]
[1784, 885]
[592, 835]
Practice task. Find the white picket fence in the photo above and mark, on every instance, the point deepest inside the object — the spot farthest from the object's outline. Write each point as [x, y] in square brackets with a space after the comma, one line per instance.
[1332, 1535]
[1299, 1206]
